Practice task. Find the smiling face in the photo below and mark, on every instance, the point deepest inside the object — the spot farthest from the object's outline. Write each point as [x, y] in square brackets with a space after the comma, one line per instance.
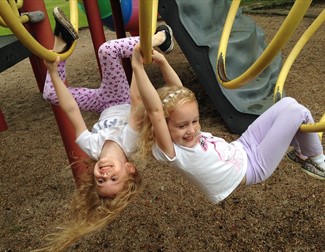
[183, 124]
[110, 175]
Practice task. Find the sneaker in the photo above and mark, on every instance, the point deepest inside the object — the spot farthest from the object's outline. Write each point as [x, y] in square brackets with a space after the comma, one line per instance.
[168, 45]
[64, 28]
[312, 169]
[295, 157]
[307, 165]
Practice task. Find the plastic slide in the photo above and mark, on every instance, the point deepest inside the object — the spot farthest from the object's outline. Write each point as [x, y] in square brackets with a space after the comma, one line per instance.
[197, 27]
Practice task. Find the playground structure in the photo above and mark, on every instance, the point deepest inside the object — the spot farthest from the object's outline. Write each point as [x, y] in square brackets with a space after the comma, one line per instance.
[237, 107]
[42, 41]
[129, 11]
[202, 44]
[283, 35]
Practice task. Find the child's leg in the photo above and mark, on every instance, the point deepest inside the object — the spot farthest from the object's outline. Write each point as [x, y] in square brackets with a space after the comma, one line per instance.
[83, 96]
[114, 88]
[268, 138]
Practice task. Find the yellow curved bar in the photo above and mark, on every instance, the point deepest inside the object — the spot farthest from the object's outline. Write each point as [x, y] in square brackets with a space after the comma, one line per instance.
[14, 23]
[317, 127]
[147, 15]
[2, 22]
[14, 7]
[278, 90]
[19, 4]
[314, 127]
[221, 59]
[285, 32]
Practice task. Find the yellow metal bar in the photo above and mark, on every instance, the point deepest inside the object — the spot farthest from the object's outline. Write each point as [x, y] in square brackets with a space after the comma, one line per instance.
[285, 32]
[19, 4]
[146, 28]
[14, 23]
[74, 18]
[24, 19]
[154, 15]
[316, 127]
[226, 34]
[278, 90]
[2, 22]
[14, 7]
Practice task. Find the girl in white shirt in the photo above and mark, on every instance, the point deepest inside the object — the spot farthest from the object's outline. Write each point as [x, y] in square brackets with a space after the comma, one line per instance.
[111, 180]
[171, 132]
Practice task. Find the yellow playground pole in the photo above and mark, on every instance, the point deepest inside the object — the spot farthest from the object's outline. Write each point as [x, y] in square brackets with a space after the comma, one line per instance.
[285, 32]
[74, 20]
[148, 10]
[13, 22]
[316, 127]
[294, 53]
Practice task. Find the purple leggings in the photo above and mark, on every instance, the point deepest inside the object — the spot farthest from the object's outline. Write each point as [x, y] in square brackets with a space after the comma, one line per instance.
[267, 139]
[114, 87]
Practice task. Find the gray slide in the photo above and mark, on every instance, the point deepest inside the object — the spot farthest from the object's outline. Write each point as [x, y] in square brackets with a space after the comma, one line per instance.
[197, 27]
[12, 51]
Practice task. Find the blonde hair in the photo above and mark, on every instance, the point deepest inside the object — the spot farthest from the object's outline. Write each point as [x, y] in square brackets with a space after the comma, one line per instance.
[171, 97]
[91, 212]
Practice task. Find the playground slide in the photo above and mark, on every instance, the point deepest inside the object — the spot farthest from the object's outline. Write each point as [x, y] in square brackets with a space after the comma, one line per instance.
[197, 27]
[12, 51]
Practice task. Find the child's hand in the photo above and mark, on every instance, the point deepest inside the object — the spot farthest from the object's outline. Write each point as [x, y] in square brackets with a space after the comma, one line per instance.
[157, 57]
[137, 58]
[52, 66]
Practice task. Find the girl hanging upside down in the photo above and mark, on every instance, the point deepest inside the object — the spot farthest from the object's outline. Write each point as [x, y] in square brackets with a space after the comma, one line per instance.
[112, 179]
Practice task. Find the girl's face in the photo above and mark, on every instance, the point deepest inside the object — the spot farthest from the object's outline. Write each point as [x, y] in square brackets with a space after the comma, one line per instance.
[183, 124]
[110, 175]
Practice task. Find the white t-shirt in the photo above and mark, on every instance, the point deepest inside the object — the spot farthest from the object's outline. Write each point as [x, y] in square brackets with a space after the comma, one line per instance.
[112, 125]
[213, 165]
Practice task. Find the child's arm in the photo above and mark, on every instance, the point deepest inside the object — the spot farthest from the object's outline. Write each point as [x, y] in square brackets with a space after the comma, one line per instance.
[169, 74]
[152, 104]
[135, 101]
[66, 100]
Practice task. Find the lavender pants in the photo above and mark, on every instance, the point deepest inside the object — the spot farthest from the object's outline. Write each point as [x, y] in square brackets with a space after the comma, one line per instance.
[114, 87]
[267, 139]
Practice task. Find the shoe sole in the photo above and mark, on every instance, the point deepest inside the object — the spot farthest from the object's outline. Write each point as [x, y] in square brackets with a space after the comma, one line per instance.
[311, 174]
[296, 159]
[171, 47]
[170, 31]
[302, 163]
[63, 20]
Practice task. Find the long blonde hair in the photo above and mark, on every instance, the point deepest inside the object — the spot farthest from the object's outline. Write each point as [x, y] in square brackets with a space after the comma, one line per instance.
[89, 211]
[171, 97]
